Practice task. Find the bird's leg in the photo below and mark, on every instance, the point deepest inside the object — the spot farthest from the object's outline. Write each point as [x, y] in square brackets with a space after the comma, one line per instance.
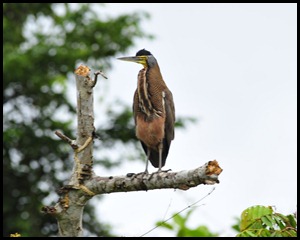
[160, 149]
[146, 169]
[147, 160]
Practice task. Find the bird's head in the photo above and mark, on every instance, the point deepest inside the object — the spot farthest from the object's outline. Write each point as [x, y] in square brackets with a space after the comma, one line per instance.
[143, 57]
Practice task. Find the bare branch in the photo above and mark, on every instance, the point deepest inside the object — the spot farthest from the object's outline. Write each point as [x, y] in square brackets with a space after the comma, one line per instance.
[206, 174]
[96, 77]
[85, 113]
[69, 209]
[66, 139]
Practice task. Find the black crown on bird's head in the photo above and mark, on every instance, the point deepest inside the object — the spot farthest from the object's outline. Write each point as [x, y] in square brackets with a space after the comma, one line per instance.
[143, 52]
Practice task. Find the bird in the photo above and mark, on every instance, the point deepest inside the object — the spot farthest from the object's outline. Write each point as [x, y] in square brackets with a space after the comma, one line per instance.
[153, 110]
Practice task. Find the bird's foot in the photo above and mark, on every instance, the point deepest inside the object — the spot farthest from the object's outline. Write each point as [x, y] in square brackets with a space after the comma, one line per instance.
[159, 171]
[145, 173]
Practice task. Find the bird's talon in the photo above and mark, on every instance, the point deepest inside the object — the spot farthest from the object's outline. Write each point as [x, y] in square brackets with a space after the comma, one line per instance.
[151, 175]
[144, 175]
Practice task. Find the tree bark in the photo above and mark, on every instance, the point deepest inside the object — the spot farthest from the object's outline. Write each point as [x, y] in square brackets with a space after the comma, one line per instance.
[206, 174]
[83, 184]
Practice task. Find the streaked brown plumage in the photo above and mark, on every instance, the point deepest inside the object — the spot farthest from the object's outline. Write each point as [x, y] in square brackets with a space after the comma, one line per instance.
[153, 110]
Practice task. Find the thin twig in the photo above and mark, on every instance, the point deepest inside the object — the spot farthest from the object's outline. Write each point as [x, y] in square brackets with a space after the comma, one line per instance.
[96, 77]
[66, 139]
[178, 213]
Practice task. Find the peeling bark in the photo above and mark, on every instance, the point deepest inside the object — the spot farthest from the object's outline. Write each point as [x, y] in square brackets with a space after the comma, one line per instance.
[143, 182]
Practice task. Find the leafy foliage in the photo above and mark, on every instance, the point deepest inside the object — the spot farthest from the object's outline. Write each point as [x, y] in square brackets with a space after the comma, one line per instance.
[255, 221]
[262, 221]
[43, 43]
[180, 228]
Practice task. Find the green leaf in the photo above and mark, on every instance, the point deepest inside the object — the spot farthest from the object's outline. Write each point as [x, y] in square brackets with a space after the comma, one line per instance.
[187, 216]
[181, 232]
[279, 222]
[283, 217]
[179, 220]
[292, 220]
[250, 215]
[203, 231]
[257, 224]
[165, 225]
[291, 233]
[242, 234]
[276, 234]
[264, 233]
[236, 226]
[250, 233]
[268, 220]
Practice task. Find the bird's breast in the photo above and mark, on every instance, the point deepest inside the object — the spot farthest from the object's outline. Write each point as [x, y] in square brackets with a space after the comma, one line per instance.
[150, 132]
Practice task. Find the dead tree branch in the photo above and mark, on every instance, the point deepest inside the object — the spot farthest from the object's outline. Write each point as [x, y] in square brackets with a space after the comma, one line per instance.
[83, 184]
[206, 174]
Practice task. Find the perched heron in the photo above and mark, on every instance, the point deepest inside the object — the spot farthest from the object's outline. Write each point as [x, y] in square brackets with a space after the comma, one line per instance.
[153, 110]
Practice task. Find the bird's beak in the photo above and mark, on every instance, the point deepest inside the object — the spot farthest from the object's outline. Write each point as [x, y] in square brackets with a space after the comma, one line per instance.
[136, 59]
[129, 59]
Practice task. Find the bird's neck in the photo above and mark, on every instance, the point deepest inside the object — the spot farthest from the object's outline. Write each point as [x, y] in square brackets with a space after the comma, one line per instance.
[147, 106]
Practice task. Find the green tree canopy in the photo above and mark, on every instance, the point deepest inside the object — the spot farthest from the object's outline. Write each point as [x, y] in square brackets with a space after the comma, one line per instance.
[43, 43]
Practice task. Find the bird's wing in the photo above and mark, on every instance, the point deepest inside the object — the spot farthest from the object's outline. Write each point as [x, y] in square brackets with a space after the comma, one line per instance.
[170, 116]
[135, 106]
[169, 124]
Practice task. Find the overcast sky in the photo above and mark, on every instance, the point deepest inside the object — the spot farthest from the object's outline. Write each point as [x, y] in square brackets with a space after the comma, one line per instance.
[234, 68]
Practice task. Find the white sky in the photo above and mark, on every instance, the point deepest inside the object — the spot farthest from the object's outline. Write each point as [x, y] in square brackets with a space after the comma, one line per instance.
[232, 66]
